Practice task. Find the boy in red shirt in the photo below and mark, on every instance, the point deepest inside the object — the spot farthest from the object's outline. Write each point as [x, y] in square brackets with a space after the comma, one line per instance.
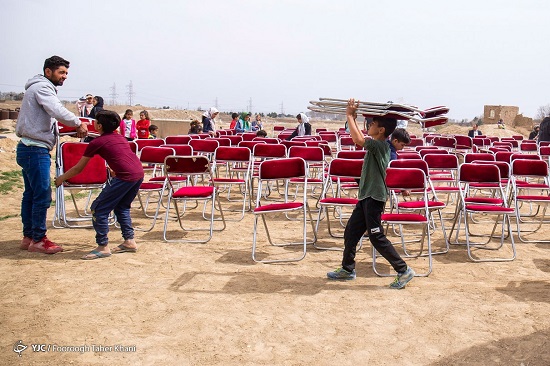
[119, 192]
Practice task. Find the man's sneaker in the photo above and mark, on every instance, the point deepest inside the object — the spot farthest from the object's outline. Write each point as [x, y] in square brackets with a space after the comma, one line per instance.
[402, 279]
[25, 242]
[341, 274]
[45, 245]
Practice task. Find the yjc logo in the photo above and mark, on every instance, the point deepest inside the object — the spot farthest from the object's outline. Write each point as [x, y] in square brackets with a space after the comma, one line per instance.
[19, 347]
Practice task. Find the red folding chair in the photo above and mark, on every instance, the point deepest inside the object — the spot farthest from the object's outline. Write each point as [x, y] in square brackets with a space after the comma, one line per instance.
[195, 169]
[399, 179]
[152, 155]
[470, 173]
[351, 154]
[91, 180]
[530, 187]
[234, 166]
[336, 196]
[204, 147]
[271, 171]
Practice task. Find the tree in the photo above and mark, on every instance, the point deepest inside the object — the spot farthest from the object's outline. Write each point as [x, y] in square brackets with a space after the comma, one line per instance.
[542, 111]
[272, 115]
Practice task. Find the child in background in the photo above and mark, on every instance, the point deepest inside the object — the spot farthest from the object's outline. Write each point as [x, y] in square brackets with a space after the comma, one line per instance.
[128, 126]
[397, 141]
[195, 127]
[119, 192]
[261, 133]
[153, 131]
[257, 124]
[234, 119]
[142, 125]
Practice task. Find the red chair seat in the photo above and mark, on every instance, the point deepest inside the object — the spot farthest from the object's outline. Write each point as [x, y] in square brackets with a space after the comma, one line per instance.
[173, 179]
[228, 180]
[310, 180]
[185, 192]
[400, 217]
[411, 205]
[533, 198]
[446, 188]
[531, 185]
[489, 208]
[338, 201]
[148, 185]
[278, 207]
[484, 200]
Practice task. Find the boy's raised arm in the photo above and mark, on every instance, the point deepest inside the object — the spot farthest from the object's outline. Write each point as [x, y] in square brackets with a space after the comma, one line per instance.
[355, 132]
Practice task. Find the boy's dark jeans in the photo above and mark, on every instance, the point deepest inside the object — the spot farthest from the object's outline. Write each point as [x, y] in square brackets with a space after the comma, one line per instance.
[367, 216]
[117, 196]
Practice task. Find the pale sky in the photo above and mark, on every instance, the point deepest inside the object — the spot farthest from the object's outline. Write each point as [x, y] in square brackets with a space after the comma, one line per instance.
[462, 54]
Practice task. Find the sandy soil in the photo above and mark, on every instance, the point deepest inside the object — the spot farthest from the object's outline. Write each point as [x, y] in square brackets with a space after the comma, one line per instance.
[210, 304]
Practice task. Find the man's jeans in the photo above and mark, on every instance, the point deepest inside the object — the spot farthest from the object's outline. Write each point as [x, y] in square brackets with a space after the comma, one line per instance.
[37, 197]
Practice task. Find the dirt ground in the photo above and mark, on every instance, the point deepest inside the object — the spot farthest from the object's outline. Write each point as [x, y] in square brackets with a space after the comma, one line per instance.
[210, 304]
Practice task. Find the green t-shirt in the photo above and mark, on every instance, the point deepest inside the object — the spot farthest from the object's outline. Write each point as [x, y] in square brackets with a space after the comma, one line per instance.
[373, 174]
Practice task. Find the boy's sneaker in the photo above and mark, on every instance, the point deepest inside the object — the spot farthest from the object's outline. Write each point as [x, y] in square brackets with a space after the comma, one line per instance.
[45, 245]
[341, 274]
[25, 242]
[402, 278]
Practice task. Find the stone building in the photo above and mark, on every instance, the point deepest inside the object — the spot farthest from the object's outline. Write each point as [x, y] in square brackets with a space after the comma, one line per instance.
[509, 114]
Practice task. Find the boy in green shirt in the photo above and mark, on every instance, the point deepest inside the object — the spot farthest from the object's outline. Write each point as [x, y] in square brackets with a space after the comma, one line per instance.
[372, 198]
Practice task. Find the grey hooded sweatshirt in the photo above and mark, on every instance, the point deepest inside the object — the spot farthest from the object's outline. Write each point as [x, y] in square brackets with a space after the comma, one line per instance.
[40, 104]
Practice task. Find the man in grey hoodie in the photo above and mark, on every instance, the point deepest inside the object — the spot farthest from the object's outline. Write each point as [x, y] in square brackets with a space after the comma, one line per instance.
[36, 128]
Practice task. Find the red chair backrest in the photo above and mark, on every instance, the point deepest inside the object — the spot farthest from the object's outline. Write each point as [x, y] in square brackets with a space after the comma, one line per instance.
[155, 154]
[177, 139]
[248, 136]
[235, 139]
[250, 144]
[410, 163]
[267, 140]
[141, 143]
[222, 141]
[530, 168]
[433, 151]
[95, 171]
[405, 178]
[349, 168]
[204, 146]
[478, 173]
[351, 154]
[282, 168]
[180, 149]
[308, 153]
[269, 151]
[416, 142]
[524, 156]
[441, 161]
[232, 153]
[468, 158]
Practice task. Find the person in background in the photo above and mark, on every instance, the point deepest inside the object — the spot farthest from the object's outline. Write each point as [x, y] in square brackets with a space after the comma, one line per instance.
[142, 125]
[243, 125]
[261, 133]
[397, 141]
[533, 135]
[501, 125]
[195, 127]
[304, 127]
[474, 131]
[209, 121]
[153, 131]
[234, 120]
[98, 106]
[544, 130]
[128, 126]
[85, 105]
[118, 194]
[36, 129]
[372, 195]
[257, 124]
